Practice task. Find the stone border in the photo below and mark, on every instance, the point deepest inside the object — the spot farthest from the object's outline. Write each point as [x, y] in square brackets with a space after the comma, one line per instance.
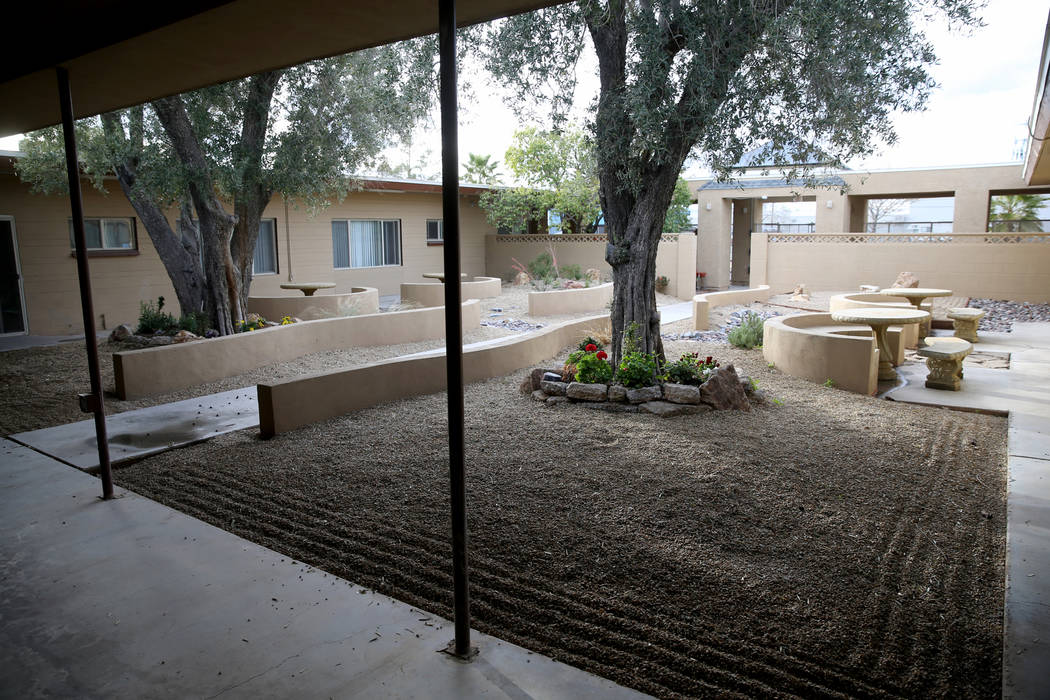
[293, 403]
[703, 303]
[570, 301]
[431, 294]
[141, 373]
[358, 302]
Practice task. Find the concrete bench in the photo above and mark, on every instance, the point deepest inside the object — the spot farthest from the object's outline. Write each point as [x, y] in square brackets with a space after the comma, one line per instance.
[944, 358]
[812, 346]
[965, 322]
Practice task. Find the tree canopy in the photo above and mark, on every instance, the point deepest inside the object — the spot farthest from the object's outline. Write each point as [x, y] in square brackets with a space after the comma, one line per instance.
[715, 78]
[1017, 212]
[301, 132]
[481, 170]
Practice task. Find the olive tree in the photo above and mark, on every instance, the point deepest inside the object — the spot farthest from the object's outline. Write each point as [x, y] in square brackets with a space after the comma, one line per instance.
[219, 155]
[716, 78]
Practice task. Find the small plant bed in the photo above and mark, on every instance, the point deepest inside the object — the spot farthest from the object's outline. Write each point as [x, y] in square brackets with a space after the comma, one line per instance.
[544, 274]
[157, 327]
[642, 383]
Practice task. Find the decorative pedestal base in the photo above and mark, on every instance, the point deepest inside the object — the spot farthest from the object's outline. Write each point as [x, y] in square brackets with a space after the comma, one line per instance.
[944, 373]
[965, 321]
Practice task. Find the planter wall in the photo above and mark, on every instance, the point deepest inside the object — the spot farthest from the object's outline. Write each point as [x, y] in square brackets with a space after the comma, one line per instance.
[430, 294]
[290, 404]
[159, 370]
[360, 301]
[570, 301]
[703, 303]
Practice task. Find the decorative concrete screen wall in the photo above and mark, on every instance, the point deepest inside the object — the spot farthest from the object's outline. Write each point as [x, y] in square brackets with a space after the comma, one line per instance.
[984, 265]
[675, 257]
[159, 370]
[570, 301]
[428, 294]
[703, 303]
[287, 405]
[360, 301]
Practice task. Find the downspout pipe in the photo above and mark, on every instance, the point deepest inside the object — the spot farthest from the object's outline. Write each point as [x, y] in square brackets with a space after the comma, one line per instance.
[92, 402]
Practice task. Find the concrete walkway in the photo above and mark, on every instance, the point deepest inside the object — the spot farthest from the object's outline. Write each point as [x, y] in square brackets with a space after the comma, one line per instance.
[20, 342]
[131, 599]
[1022, 393]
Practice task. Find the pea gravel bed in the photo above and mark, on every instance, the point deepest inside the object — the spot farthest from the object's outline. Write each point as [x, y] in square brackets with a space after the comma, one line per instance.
[823, 545]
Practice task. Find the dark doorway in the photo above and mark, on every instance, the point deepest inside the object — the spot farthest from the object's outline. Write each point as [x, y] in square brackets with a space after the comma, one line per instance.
[12, 315]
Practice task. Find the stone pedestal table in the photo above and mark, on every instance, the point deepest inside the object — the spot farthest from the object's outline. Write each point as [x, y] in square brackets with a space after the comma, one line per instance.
[880, 320]
[308, 288]
[917, 295]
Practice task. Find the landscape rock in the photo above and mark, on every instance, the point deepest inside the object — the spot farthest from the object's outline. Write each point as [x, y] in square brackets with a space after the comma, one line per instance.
[211, 333]
[157, 340]
[555, 400]
[800, 293]
[906, 279]
[682, 393]
[185, 337]
[574, 284]
[587, 392]
[550, 375]
[666, 409]
[554, 388]
[611, 407]
[121, 333]
[522, 278]
[617, 393]
[526, 387]
[646, 393]
[594, 275]
[723, 390]
[749, 386]
[539, 396]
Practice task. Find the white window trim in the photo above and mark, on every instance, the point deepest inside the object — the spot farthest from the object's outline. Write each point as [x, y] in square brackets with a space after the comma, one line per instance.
[129, 220]
[401, 252]
[276, 257]
[441, 231]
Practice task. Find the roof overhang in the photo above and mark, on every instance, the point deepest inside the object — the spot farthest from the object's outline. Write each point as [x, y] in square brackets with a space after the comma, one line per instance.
[121, 53]
[1037, 155]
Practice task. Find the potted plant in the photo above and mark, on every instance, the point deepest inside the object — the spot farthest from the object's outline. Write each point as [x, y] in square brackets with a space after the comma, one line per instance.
[700, 279]
[662, 283]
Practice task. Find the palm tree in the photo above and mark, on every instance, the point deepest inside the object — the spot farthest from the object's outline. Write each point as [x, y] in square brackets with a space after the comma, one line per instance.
[481, 170]
[1016, 213]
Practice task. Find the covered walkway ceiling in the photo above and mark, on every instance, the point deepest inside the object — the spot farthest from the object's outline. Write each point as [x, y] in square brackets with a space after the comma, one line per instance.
[121, 53]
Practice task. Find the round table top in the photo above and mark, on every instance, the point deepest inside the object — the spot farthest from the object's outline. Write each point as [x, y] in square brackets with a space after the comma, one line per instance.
[915, 292]
[307, 285]
[879, 317]
[441, 275]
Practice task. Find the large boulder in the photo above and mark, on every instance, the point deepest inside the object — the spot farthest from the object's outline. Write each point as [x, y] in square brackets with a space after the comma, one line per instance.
[553, 388]
[906, 279]
[617, 393]
[723, 390]
[587, 392]
[121, 333]
[521, 279]
[185, 336]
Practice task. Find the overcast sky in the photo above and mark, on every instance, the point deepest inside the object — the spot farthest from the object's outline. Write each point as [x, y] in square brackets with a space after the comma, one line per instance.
[977, 115]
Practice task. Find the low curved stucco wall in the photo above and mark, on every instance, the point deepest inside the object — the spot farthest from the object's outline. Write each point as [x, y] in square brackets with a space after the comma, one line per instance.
[703, 303]
[813, 347]
[293, 403]
[360, 301]
[570, 301]
[430, 294]
[159, 370]
[864, 300]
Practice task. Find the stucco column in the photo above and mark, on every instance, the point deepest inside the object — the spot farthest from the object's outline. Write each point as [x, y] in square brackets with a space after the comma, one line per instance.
[833, 219]
[971, 210]
[714, 239]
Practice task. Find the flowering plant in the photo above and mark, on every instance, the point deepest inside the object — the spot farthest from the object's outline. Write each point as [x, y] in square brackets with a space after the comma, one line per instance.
[690, 369]
[244, 326]
[286, 321]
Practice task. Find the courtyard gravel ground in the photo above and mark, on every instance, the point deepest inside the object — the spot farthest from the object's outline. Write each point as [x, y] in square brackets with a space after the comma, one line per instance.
[823, 545]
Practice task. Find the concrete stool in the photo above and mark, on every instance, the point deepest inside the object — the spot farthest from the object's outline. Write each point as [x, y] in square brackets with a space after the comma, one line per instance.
[944, 358]
[965, 321]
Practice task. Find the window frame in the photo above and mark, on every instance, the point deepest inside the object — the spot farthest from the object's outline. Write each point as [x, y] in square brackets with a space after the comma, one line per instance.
[276, 250]
[104, 252]
[440, 240]
[350, 253]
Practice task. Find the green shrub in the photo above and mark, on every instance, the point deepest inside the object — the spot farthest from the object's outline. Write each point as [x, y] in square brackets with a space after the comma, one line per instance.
[638, 369]
[195, 322]
[590, 340]
[152, 318]
[591, 369]
[749, 333]
[690, 369]
[542, 268]
[571, 272]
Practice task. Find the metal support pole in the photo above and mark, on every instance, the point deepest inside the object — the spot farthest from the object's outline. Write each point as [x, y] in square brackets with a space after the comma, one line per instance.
[460, 647]
[93, 401]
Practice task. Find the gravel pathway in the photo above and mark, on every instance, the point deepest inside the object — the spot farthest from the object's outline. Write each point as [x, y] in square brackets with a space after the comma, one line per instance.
[824, 545]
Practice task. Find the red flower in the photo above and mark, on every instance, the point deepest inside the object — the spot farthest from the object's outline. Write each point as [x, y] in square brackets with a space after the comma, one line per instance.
[591, 347]
[708, 360]
[601, 355]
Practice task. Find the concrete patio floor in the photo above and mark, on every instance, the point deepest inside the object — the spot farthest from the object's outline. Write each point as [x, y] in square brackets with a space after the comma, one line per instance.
[131, 599]
[1023, 393]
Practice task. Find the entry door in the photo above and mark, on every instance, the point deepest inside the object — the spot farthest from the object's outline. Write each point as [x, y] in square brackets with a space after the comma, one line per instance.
[12, 310]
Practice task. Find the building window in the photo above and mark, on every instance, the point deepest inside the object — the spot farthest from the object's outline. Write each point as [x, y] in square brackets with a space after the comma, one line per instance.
[107, 234]
[435, 231]
[365, 243]
[265, 260]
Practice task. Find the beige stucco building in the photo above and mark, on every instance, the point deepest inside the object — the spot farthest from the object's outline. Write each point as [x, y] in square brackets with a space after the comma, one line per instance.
[838, 249]
[299, 246]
